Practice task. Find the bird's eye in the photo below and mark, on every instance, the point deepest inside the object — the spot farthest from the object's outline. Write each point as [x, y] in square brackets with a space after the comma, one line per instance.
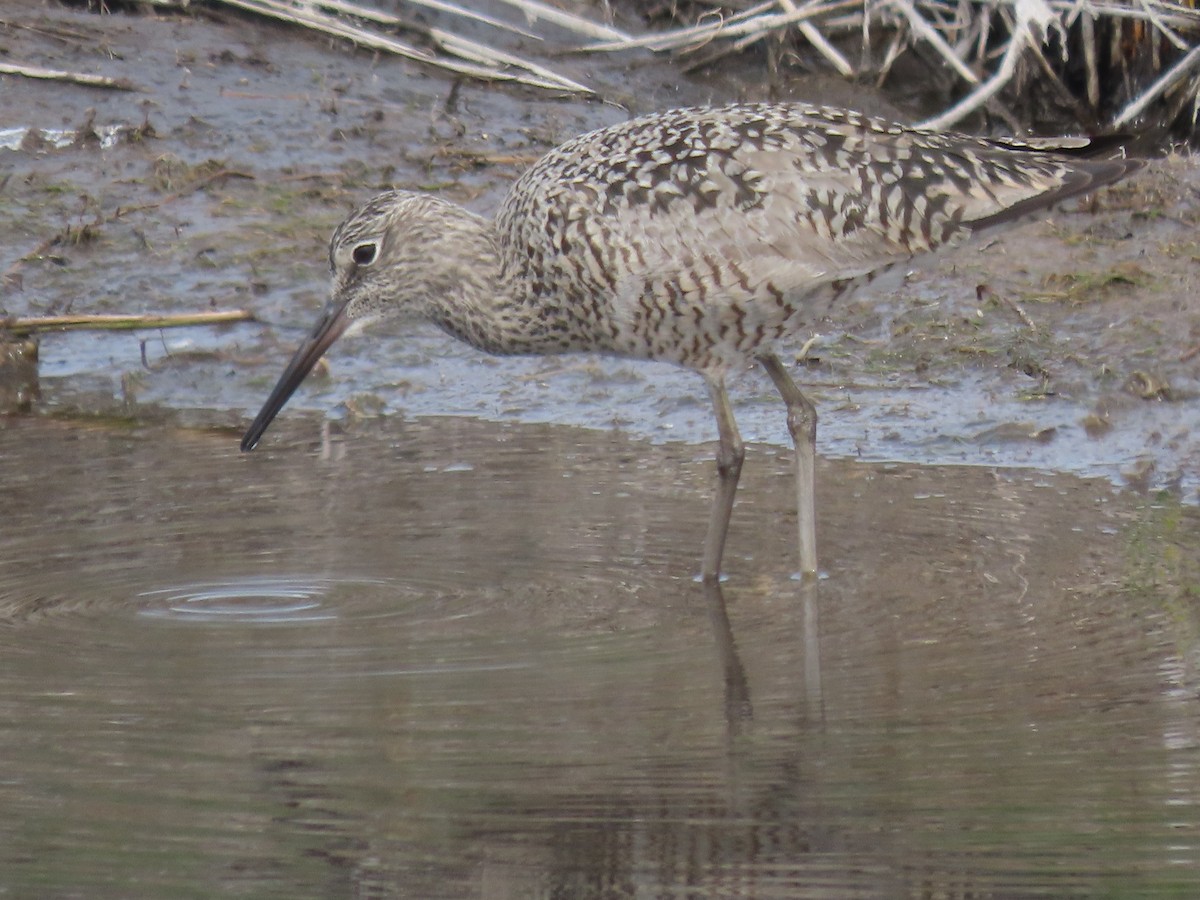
[364, 254]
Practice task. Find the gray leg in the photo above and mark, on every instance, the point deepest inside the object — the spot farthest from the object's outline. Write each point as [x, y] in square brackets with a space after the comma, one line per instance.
[802, 423]
[730, 454]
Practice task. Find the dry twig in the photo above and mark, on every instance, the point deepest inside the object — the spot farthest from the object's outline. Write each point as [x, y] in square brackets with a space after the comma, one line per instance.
[101, 81]
[342, 18]
[1172, 76]
[31, 324]
[989, 45]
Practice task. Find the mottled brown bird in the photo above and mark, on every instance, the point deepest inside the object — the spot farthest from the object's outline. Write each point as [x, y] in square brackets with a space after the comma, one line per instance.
[702, 237]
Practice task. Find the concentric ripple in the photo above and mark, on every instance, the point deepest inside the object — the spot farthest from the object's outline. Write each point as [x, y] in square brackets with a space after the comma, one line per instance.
[266, 600]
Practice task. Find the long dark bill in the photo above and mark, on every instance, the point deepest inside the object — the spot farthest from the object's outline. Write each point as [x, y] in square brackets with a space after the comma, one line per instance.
[331, 326]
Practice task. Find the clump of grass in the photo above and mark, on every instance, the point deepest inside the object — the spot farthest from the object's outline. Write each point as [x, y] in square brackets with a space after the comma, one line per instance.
[170, 173]
[1086, 287]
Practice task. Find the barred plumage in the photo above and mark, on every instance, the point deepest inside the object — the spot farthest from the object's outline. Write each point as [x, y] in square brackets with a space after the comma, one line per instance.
[698, 236]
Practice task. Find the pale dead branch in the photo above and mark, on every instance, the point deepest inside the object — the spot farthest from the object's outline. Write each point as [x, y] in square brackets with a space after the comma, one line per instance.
[1175, 74]
[535, 12]
[100, 81]
[30, 324]
[461, 56]
[989, 46]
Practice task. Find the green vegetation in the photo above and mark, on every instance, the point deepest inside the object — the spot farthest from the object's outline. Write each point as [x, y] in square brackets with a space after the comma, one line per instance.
[1163, 569]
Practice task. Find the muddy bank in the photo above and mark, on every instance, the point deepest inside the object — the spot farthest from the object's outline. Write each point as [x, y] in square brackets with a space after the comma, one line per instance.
[1069, 343]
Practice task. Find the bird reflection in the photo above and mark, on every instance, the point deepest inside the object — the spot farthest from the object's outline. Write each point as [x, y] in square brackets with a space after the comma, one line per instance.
[739, 708]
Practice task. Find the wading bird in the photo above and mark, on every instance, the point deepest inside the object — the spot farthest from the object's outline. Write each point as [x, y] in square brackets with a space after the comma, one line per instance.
[703, 237]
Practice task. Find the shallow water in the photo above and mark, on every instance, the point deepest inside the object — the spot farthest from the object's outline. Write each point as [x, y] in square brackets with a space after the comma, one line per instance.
[450, 659]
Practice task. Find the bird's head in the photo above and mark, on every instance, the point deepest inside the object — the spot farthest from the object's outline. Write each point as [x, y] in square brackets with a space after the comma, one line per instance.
[391, 258]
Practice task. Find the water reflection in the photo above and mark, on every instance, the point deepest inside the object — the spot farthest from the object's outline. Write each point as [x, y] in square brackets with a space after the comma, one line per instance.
[456, 660]
[739, 708]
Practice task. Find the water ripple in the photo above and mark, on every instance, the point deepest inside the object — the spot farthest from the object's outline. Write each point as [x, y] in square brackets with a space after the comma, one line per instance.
[263, 600]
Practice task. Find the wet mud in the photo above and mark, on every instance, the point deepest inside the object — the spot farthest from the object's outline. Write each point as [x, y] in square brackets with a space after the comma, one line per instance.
[1069, 343]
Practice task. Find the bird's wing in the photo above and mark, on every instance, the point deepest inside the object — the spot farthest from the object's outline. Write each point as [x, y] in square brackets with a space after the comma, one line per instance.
[783, 196]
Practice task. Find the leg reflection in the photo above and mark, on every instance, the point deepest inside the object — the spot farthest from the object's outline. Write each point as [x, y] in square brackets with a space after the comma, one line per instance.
[811, 637]
[738, 709]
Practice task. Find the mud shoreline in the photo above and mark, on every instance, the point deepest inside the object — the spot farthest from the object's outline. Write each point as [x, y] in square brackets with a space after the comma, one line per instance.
[1069, 343]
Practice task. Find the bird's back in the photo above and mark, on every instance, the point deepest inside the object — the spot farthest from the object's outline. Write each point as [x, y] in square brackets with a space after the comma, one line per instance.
[699, 235]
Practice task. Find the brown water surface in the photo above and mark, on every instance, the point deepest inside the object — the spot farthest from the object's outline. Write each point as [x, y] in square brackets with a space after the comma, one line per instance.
[453, 659]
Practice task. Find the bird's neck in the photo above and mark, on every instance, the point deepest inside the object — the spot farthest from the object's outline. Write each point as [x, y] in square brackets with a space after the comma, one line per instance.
[493, 303]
